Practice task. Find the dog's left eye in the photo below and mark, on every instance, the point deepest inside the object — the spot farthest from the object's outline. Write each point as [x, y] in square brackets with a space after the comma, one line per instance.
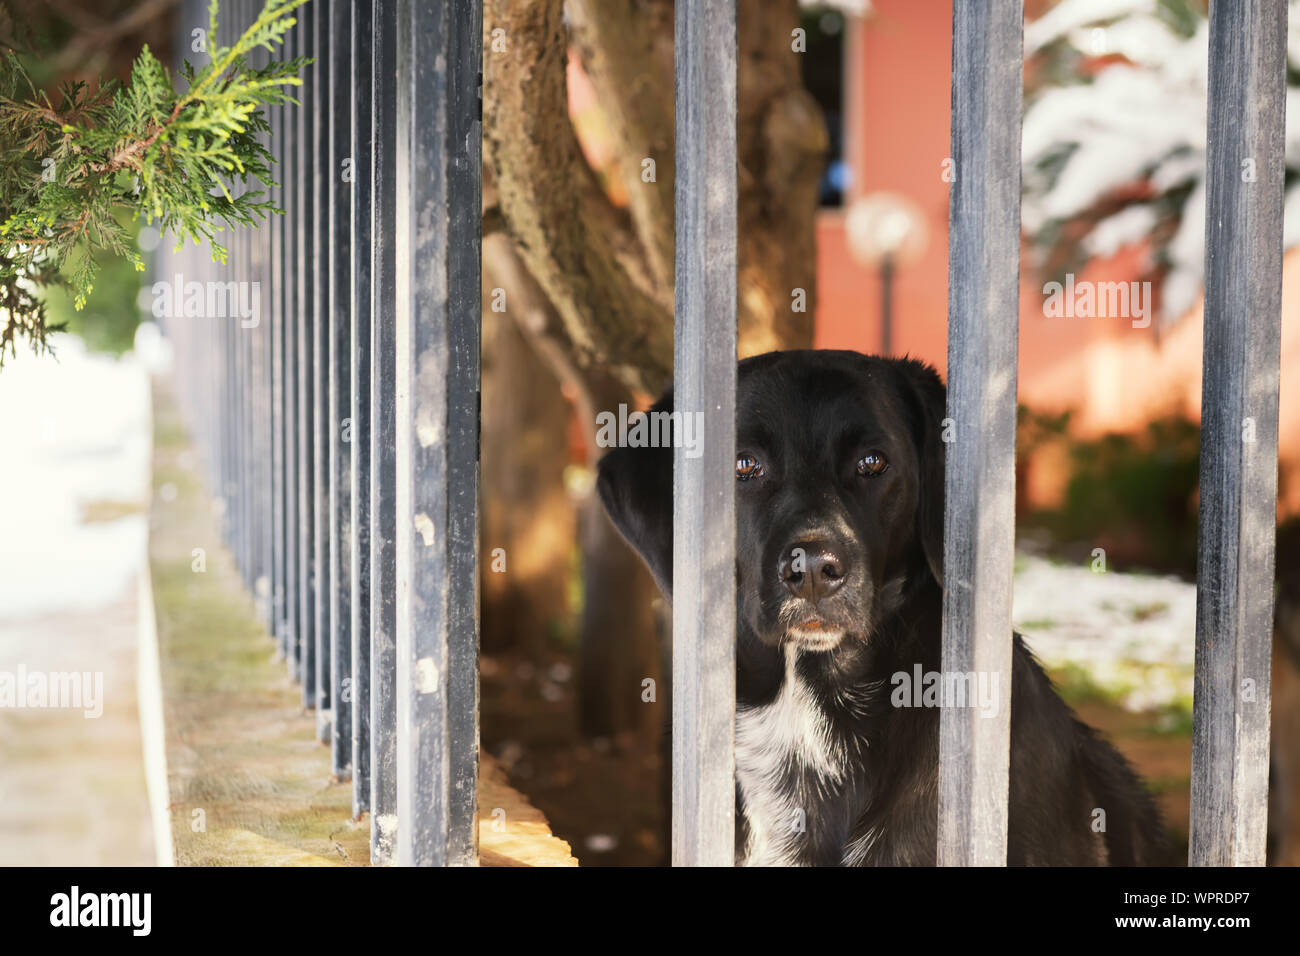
[872, 464]
[748, 467]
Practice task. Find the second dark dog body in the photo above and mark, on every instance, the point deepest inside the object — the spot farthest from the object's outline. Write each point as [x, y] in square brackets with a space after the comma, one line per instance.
[839, 561]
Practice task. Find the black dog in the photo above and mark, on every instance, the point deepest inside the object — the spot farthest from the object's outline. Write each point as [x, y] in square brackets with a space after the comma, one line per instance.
[839, 551]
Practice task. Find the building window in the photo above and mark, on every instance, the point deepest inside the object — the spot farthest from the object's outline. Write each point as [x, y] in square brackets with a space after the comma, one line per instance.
[823, 76]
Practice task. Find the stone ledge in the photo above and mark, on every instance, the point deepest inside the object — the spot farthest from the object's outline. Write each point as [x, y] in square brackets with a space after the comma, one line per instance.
[248, 782]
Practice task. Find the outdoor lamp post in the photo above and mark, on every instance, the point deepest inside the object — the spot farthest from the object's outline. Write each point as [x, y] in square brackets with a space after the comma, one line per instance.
[885, 230]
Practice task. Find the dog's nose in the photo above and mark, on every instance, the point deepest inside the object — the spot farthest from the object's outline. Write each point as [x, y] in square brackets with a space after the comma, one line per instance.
[811, 570]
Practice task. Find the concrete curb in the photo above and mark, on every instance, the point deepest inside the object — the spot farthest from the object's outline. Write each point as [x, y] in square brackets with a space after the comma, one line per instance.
[149, 691]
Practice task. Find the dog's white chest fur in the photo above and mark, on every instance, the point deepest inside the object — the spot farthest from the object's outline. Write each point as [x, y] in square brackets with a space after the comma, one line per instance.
[783, 749]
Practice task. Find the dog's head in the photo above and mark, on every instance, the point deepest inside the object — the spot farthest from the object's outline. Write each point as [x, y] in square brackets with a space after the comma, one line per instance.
[839, 493]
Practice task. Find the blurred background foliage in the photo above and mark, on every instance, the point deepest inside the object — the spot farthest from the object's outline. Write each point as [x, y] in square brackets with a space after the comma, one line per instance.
[112, 314]
[1134, 495]
[60, 41]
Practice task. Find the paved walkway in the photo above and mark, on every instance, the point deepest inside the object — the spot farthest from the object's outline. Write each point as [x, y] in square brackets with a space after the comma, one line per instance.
[75, 434]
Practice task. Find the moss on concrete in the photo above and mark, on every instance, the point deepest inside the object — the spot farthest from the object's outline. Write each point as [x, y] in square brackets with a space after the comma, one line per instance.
[249, 783]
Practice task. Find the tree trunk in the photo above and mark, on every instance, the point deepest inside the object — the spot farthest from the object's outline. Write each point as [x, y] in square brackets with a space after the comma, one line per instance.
[607, 271]
[619, 642]
[526, 513]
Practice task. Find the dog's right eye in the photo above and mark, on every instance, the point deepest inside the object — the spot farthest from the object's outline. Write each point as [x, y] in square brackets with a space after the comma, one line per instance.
[872, 464]
[748, 467]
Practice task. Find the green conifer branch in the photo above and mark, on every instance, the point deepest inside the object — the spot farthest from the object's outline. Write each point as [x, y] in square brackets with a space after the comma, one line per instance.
[190, 162]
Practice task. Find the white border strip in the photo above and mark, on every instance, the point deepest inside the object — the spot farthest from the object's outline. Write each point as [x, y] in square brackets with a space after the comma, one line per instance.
[149, 691]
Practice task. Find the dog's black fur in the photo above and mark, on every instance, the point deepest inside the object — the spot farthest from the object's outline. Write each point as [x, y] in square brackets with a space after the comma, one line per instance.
[828, 772]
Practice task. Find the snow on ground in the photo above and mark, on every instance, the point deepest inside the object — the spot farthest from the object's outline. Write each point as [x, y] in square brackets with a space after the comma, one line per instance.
[1132, 634]
[74, 429]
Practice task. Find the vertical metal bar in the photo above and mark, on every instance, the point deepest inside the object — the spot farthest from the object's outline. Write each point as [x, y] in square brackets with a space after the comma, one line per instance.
[290, 267]
[383, 440]
[359, 628]
[306, 320]
[322, 185]
[230, 387]
[275, 276]
[194, 259]
[704, 515]
[226, 454]
[279, 466]
[267, 456]
[197, 261]
[247, 339]
[979, 508]
[293, 412]
[340, 383]
[1245, 170]
[438, 243]
[221, 451]
[243, 398]
[264, 458]
[238, 270]
[247, 377]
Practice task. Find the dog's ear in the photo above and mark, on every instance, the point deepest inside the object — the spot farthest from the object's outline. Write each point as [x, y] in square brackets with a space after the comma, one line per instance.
[636, 488]
[928, 400]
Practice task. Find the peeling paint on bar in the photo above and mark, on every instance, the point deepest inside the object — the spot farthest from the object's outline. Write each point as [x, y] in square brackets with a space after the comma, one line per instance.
[437, 316]
[424, 525]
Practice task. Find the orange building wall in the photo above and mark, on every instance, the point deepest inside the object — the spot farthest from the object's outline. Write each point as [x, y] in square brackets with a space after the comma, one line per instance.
[899, 92]
[1113, 376]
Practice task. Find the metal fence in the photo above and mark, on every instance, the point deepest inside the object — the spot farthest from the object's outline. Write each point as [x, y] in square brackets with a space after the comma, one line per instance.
[341, 430]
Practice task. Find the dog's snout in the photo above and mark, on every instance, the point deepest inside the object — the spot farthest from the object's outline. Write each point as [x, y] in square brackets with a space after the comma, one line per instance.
[812, 570]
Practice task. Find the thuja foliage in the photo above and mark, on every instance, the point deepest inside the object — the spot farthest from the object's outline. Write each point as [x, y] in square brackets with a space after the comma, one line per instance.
[189, 161]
